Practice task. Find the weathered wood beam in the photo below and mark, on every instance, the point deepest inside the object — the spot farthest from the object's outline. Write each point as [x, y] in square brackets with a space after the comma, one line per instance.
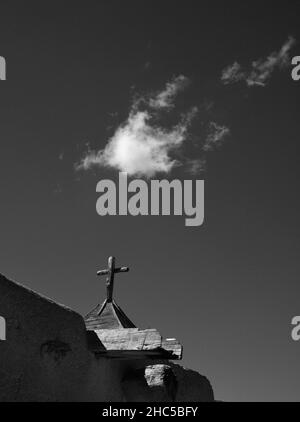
[135, 343]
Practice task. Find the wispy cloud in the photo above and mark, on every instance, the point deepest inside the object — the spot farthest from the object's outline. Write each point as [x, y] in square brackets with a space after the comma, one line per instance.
[144, 146]
[165, 99]
[216, 136]
[260, 70]
[196, 165]
[232, 74]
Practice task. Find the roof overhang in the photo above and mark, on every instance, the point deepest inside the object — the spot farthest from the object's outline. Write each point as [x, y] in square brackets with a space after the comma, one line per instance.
[133, 343]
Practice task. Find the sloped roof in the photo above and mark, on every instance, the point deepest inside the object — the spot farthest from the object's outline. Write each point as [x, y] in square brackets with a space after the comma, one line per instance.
[107, 316]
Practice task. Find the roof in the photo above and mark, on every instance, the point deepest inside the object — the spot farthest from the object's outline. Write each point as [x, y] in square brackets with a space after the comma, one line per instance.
[113, 335]
[107, 316]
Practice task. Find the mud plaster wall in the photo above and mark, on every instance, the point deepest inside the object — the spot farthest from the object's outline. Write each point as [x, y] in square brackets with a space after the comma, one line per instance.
[45, 357]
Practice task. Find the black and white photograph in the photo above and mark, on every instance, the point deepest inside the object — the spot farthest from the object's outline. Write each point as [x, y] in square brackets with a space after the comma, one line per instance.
[149, 218]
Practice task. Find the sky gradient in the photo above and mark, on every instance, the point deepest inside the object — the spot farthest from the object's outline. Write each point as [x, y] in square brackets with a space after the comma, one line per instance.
[228, 289]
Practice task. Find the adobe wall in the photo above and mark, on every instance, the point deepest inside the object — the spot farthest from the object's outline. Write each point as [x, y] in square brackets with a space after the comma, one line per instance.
[45, 357]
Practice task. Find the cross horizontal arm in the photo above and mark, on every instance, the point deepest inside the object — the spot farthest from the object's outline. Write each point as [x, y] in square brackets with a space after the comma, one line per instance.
[121, 270]
[102, 272]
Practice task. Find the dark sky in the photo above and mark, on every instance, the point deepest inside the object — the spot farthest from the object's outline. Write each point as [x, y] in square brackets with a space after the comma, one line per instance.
[228, 289]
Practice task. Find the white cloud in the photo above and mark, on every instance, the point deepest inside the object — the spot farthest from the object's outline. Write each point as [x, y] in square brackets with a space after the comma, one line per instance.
[216, 136]
[260, 70]
[232, 73]
[140, 146]
[144, 146]
[165, 99]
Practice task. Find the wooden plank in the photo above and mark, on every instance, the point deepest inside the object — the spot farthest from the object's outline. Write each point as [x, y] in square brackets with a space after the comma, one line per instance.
[153, 340]
[122, 339]
[172, 346]
[133, 342]
[110, 316]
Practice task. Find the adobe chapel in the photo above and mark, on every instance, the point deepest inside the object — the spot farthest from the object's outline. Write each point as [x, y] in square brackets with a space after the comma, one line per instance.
[49, 352]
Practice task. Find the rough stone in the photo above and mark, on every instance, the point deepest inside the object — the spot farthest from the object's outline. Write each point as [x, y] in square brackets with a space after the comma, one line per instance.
[162, 381]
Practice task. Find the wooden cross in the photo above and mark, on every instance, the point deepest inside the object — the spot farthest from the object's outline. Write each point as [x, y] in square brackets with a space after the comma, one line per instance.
[111, 271]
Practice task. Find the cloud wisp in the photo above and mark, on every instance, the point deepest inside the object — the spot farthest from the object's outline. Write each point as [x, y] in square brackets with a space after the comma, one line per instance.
[216, 136]
[261, 70]
[165, 99]
[144, 146]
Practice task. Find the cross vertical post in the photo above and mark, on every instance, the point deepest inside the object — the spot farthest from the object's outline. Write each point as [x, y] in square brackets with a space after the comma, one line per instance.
[110, 278]
[110, 272]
